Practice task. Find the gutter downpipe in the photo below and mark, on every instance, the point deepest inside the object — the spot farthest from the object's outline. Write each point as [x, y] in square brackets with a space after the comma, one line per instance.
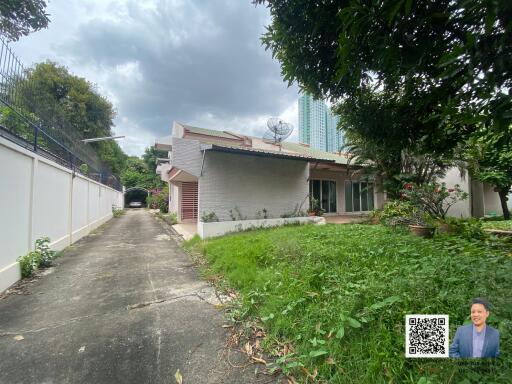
[204, 148]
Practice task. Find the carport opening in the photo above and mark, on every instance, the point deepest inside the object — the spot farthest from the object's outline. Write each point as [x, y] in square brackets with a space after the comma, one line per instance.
[135, 194]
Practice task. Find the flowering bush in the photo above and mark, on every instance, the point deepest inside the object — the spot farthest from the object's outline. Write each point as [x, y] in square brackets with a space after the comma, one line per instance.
[434, 199]
[159, 199]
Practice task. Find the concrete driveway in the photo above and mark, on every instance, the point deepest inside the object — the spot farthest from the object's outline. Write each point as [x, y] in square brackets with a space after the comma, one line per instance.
[124, 305]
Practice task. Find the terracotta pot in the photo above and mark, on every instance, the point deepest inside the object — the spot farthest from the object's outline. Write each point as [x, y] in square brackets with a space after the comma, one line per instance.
[420, 230]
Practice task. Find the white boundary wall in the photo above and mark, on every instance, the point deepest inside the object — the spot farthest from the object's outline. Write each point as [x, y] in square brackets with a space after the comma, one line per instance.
[41, 198]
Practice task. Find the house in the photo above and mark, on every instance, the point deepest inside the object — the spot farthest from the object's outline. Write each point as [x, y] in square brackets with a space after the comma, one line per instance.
[232, 176]
[241, 181]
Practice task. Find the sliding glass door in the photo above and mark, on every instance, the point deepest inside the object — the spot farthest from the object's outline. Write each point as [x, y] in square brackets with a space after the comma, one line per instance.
[358, 196]
[325, 192]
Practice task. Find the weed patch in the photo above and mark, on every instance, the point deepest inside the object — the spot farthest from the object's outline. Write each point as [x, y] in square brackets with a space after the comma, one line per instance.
[339, 295]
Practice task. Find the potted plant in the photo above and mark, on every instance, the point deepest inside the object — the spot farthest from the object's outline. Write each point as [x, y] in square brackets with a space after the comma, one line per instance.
[315, 209]
[419, 226]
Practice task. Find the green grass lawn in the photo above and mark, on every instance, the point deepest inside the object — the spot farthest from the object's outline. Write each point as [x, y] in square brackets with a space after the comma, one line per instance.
[500, 224]
[339, 294]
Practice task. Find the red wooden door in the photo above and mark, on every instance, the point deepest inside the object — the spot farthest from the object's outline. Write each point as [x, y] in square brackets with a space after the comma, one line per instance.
[189, 201]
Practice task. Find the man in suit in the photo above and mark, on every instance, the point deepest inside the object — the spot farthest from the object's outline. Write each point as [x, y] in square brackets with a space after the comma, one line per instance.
[476, 339]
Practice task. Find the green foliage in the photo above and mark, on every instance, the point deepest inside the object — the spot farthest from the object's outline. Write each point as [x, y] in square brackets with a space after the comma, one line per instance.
[339, 295]
[470, 228]
[118, 212]
[137, 173]
[209, 217]
[29, 263]
[505, 225]
[74, 107]
[316, 208]
[150, 156]
[41, 257]
[46, 254]
[489, 159]
[393, 209]
[433, 198]
[378, 135]
[84, 169]
[159, 199]
[448, 60]
[21, 17]
[15, 123]
[169, 218]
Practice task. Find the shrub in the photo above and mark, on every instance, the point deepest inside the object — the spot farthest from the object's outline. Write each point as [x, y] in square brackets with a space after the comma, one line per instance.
[392, 210]
[118, 212]
[434, 199]
[29, 263]
[209, 217]
[316, 208]
[170, 218]
[42, 257]
[159, 200]
[470, 228]
[84, 169]
[46, 254]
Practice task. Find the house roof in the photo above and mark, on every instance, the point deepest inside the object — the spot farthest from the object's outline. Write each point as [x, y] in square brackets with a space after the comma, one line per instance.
[163, 143]
[210, 132]
[289, 150]
[263, 152]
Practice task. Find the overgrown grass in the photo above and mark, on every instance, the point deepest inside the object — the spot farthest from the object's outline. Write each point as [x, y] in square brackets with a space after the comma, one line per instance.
[339, 295]
[169, 218]
[500, 224]
[118, 212]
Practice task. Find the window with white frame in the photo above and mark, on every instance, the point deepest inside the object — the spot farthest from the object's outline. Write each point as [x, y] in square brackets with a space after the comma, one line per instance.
[358, 196]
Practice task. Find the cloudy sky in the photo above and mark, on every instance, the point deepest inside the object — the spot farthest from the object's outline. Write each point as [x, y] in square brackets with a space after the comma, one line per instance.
[194, 61]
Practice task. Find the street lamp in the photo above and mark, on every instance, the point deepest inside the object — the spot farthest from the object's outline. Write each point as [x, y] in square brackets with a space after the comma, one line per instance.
[101, 139]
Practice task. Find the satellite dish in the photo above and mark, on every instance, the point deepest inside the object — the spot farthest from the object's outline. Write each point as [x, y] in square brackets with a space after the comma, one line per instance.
[278, 131]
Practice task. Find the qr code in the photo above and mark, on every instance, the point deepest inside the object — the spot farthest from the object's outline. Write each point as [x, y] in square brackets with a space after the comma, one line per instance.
[426, 336]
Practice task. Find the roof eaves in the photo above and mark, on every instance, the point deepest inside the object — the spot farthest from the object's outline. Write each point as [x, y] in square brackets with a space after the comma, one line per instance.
[265, 153]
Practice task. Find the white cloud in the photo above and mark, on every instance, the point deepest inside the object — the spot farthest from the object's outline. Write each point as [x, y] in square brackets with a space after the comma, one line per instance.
[196, 62]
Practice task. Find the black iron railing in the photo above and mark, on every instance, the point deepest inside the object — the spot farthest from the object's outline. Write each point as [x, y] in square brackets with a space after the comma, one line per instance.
[50, 135]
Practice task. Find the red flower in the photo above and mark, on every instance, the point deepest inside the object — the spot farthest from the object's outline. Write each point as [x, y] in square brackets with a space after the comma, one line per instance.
[451, 189]
[408, 186]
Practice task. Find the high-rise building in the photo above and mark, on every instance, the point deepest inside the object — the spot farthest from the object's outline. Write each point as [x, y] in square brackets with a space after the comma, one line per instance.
[317, 125]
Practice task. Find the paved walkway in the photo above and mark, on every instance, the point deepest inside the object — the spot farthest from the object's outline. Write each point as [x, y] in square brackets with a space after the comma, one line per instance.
[122, 306]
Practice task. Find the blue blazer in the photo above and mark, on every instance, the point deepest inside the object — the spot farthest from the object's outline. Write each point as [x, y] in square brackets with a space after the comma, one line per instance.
[462, 345]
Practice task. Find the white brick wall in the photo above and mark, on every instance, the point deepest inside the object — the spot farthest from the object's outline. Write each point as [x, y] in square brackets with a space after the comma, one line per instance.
[251, 183]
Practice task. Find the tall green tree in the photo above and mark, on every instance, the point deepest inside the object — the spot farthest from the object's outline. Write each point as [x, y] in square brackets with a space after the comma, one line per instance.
[451, 57]
[72, 109]
[378, 132]
[20, 17]
[140, 172]
[150, 156]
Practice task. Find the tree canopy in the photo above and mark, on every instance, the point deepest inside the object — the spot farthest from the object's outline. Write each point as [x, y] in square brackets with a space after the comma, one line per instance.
[450, 60]
[73, 109]
[20, 17]
[141, 172]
